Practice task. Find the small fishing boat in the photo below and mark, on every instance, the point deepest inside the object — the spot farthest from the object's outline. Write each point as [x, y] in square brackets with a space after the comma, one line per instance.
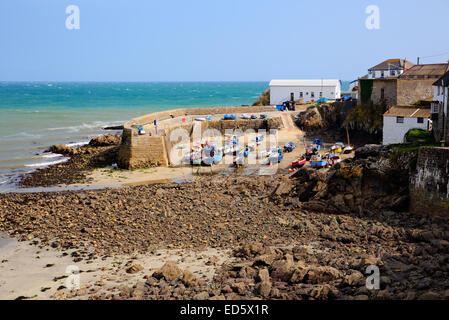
[289, 147]
[333, 159]
[229, 117]
[348, 149]
[239, 160]
[335, 148]
[211, 155]
[245, 116]
[317, 162]
[276, 156]
[299, 163]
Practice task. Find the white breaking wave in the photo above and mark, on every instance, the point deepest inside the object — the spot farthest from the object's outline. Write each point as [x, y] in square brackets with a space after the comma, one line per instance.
[51, 155]
[77, 144]
[45, 164]
[87, 126]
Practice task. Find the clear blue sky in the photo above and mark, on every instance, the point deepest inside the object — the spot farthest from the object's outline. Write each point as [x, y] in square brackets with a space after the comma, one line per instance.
[213, 40]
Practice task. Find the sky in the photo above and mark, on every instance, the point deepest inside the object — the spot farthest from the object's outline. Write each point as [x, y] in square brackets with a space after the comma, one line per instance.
[214, 40]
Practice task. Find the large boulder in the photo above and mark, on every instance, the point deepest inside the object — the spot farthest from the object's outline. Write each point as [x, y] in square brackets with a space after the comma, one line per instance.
[169, 271]
[310, 119]
[105, 140]
[62, 149]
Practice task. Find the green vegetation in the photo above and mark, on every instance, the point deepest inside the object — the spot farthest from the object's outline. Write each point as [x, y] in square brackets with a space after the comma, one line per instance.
[366, 89]
[419, 136]
[264, 99]
[416, 138]
[366, 116]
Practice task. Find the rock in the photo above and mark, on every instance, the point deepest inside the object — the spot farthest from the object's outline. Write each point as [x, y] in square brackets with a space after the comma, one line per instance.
[310, 119]
[134, 269]
[369, 150]
[263, 275]
[315, 275]
[430, 295]
[281, 270]
[169, 271]
[201, 296]
[264, 260]
[239, 287]
[264, 288]
[383, 295]
[189, 279]
[446, 294]
[105, 140]
[323, 292]
[61, 149]
[354, 279]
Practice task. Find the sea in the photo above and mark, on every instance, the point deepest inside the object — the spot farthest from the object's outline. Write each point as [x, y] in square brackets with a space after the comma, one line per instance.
[36, 115]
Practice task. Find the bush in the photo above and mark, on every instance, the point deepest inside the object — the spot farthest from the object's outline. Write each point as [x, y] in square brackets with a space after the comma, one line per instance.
[419, 136]
[264, 99]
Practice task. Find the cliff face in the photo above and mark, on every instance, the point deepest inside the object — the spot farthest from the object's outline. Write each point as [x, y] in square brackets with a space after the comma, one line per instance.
[376, 179]
[363, 122]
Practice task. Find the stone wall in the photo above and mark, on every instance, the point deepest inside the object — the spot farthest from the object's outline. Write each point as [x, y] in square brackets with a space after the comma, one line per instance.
[390, 92]
[141, 151]
[144, 151]
[410, 91]
[429, 185]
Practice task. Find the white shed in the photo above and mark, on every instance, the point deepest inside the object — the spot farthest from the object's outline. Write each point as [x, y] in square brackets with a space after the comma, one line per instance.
[399, 120]
[308, 90]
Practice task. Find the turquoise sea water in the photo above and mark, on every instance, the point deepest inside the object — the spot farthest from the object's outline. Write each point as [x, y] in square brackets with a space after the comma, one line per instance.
[35, 115]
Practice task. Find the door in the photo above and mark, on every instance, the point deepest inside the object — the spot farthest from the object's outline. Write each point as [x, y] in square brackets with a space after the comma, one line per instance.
[292, 96]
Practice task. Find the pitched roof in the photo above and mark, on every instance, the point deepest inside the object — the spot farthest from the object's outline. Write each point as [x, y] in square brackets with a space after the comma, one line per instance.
[408, 112]
[443, 81]
[392, 64]
[306, 83]
[425, 70]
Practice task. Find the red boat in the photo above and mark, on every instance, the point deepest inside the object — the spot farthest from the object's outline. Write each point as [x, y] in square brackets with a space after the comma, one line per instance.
[298, 163]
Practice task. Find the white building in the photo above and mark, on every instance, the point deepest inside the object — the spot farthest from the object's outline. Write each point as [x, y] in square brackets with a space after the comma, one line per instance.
[399, 120]
[439, 109]
[389, 68]
[440, 95]
[308, 90]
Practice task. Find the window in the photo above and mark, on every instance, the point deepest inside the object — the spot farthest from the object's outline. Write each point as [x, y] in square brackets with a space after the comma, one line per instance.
[399, 119]
[420, 120]
[300, 94]
[321, 94]
[312, 94]
[393, 73]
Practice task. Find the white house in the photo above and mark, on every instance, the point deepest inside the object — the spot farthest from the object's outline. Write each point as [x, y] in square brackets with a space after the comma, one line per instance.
[399, 120]
[308, 90]
[389, 68]
[439, 108]
[441, 94]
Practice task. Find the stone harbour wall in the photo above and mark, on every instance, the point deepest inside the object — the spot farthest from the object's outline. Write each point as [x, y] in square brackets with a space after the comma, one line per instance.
[151, 149]
[429, 185]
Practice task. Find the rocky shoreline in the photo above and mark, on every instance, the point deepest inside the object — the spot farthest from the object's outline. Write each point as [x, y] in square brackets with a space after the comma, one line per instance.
[100, 152]
[326, 259]
[309, 235]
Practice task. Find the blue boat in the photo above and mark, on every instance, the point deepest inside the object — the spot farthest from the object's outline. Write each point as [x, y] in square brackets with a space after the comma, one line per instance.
[211, 155]
[229, 117]
[318, 162]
